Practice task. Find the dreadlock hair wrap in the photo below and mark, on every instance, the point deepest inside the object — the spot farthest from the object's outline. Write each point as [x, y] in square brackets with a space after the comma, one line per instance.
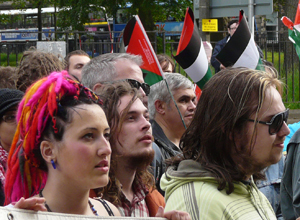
[24, 177]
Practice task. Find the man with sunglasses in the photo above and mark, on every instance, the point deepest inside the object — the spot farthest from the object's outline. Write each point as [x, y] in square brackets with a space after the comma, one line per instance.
[117, 67]
[113, 67]
[238, 130]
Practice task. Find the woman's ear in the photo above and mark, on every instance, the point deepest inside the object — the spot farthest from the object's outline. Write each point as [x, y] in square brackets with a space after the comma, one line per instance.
[48, 151]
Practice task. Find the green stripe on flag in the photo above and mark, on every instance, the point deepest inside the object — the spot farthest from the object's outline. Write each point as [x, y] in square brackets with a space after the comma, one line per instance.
[294, 34]
[260, 65]
[205, 79]
[151, 78]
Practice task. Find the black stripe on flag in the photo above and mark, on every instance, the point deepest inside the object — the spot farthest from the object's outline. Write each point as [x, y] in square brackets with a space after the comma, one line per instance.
[188, 55]
[128, 31]
[235, 47]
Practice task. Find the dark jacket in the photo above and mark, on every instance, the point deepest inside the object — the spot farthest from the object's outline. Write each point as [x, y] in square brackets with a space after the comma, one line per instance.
[290, 187]
[157, 165]
[218, 47]
[167, 148]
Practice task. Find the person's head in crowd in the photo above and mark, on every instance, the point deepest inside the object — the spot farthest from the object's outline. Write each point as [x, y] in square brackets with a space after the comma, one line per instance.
[166, 63]
[61, 144]
[9, 100]
[239, 125]
[34, 65]
[131, 136]
[75, 61]
[232, 26]
[162, 108]
[113, 67]
[7, 77]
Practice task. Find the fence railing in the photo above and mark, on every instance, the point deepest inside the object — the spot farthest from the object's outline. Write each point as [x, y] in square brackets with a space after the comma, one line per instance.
[273, 44]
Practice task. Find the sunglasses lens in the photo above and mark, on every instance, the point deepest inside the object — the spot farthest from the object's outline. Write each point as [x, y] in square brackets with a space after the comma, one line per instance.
[146, 88]
[134, 83]
[137, 85]
[276, 124]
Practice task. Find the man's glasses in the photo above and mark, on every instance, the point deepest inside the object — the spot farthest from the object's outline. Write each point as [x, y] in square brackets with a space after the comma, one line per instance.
[137, 85]
[276, 122]
[9, 118]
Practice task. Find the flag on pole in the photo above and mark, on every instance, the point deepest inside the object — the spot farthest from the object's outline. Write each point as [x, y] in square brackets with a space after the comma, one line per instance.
[294, 29]
[191, 54]
[137, 42]
[241, 49]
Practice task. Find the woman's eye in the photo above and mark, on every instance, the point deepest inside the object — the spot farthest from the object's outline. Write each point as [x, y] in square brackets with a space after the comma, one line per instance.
[107, 136]
[89, 136]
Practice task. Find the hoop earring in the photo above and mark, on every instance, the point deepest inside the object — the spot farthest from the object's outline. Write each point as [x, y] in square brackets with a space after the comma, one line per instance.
[53, 164]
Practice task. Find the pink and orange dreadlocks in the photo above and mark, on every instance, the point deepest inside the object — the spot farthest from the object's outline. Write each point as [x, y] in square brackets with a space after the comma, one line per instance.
[25, 175]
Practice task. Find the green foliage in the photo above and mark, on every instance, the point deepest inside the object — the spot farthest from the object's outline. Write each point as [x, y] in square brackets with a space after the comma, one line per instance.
[75, 13]
[151, 11]
[8, 19]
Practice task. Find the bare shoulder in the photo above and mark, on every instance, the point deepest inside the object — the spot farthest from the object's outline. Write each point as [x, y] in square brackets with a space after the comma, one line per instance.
[101, 209]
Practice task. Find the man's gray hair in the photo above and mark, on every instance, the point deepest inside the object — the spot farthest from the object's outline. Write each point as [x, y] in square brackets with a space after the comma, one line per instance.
[102, 68]
[160, 92]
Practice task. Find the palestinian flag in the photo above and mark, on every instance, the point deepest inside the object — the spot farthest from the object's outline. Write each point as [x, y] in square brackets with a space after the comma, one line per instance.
[294, 29]
[241, 49]
[191, 52]
[137, 42]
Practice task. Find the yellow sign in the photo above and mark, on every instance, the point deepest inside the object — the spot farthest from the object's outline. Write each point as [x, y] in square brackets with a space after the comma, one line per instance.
[209, 25]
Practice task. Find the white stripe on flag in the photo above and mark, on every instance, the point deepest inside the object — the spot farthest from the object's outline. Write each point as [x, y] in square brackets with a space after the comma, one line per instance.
[297, 27]
[199, 68]
[250, 57]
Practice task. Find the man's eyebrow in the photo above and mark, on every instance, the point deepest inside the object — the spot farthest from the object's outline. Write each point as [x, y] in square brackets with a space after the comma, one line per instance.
[136, 112]
[186, 96]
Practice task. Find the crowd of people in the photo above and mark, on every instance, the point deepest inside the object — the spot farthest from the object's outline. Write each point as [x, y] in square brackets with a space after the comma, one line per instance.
[89, 136]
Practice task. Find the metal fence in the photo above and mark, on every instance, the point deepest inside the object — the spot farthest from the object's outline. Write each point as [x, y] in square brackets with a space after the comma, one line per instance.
[273, 44]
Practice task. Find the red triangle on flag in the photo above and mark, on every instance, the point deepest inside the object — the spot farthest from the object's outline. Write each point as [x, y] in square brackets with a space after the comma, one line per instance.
[187, 31]
[137, 42]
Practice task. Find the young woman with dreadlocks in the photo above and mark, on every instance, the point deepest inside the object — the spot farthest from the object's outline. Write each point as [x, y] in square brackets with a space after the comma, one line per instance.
[60, 150]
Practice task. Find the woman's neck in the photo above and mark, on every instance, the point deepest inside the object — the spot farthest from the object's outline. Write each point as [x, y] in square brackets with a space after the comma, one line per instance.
[66, 198]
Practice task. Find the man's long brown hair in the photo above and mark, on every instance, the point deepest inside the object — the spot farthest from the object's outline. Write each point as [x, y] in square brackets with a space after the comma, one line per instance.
[227, 101]
[35, 65]
[111, 93]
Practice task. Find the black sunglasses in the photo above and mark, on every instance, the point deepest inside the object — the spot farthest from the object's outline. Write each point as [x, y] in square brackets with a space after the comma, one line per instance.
[276, 122]
[137, 85]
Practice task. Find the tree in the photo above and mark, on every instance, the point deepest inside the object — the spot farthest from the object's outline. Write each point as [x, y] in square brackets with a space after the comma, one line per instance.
[75, 13]
[150, 11]
[23, 4]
